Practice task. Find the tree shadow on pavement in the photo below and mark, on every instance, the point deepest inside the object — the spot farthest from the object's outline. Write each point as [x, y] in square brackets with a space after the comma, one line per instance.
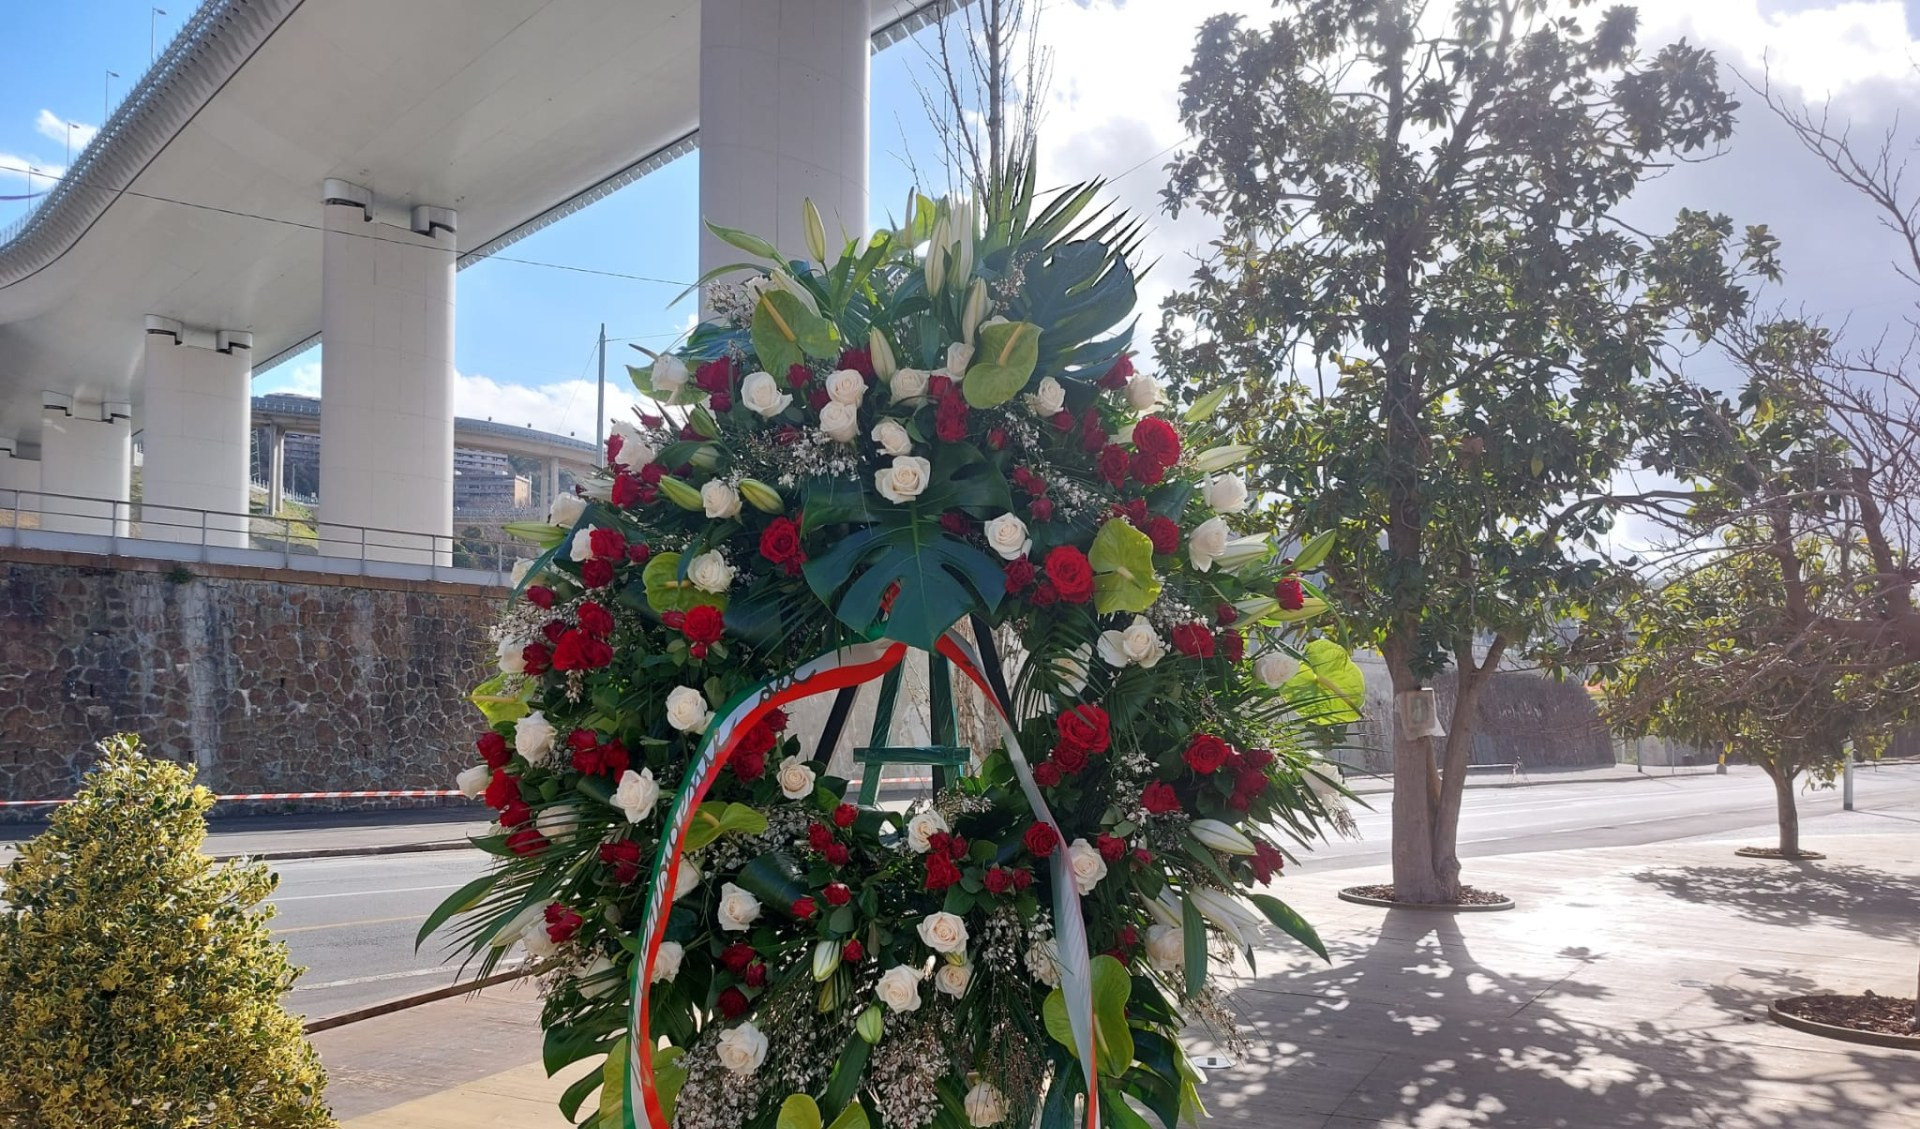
[1410, 1029]
[1801, 895]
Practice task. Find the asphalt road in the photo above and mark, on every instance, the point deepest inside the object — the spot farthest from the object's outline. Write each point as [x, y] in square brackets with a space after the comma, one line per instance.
[352, 921]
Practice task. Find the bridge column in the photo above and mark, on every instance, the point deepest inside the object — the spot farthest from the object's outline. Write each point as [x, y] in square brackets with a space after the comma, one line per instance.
[276, 461]
[86, 466]
[386, 409]
[194, 432]
[783, 117]
[19, 482]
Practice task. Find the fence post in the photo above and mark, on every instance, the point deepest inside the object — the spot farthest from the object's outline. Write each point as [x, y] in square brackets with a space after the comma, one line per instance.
[1846, 780]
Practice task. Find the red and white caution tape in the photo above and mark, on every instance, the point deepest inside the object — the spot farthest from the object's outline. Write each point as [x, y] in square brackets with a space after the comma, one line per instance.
[403, 794]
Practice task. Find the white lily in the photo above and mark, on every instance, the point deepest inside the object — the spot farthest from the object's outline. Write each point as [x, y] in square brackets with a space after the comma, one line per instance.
[1216, 459]
[1221, 837]
[1226, 913]
[826, 958]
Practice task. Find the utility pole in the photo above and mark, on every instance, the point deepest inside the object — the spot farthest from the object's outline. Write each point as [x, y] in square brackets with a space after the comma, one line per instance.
[600, 401]
[153, 37]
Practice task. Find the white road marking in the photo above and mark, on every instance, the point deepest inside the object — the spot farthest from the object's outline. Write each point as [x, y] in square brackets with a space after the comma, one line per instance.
[369, 893]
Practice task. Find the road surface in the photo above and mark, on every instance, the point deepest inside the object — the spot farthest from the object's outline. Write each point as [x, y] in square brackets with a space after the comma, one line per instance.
[351, 921]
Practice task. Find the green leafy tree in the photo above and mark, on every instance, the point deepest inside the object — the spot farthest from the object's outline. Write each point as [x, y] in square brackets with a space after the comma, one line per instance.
[1430, 318]
[139, 984]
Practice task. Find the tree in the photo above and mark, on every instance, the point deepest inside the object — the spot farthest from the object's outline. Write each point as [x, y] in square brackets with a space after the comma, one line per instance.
[993, 73]
[139, 984]
[1700, 661]
[1430, 317]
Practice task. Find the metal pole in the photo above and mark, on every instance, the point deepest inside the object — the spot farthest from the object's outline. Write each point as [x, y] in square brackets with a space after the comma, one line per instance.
[106, 95]
[1846, 780]
[600, 403]
[153, 25]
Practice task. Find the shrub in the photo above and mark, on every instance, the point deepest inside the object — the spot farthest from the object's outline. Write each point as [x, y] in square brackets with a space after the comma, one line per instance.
[139, 985]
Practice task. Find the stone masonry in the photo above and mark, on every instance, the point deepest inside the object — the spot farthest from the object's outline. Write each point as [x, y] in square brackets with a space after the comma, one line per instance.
[268, 681]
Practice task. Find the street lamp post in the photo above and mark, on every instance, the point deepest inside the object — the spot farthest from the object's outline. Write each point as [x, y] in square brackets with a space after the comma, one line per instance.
[153, 39]
[106, 95]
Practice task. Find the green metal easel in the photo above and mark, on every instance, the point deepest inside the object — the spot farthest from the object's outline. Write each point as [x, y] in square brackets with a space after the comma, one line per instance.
[944, 755]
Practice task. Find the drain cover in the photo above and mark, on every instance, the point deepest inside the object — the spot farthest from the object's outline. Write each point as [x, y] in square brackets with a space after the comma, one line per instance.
[1212, 1062]
[1695, 984]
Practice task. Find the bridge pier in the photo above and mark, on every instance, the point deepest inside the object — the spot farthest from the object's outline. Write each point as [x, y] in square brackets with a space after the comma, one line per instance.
[386, 321]
[86, 466]
[783, 117]
[194, 423]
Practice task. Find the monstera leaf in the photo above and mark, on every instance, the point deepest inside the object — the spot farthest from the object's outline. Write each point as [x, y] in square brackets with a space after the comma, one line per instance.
[1081, 290]
[1002, 364]
[1328, 688]
[940, 580]
[786, 333]
[1112, 1038]
[1123, 576]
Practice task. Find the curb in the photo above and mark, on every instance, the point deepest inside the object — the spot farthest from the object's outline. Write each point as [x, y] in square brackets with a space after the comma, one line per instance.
[1435, 907]
[350, 852]
[402, 1003]
[1841, 1034]
[1388, 789]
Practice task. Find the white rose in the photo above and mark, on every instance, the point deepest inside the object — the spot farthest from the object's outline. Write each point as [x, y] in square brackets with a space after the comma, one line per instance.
[637, 794]
[1207, 541]
[557, 821]
[521, 568]
[581, 547]
[741, 1049]
[719, 500]
[846, 386]
[892, 438]
[1007, 535]
[1274, 667]
[1226, 494]
[906, 479]
[666, 962]
[943, 932]
[1048, 400]
[512, 654]
[908, 384]
[1167, 947]
[1142, 392]
[533, 737]
[686, 878]
[953, 979]
[1088, 868]
[536, 940]
[669, 374]
[710, 572]
[840, 422]
[985, 1105]
[899, 988]
[1124, 436]
[635, 452]
[959, 356]
[922, 828]
[1072, 667]
[761, 394]
[1043, 961]
[738, 908]
[597, 979]
[795, 778]
[565, 510]
[687, 710]
[1137, 644]
[473, 781]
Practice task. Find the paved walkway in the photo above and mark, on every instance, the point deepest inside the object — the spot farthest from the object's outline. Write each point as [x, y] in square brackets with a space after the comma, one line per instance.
[1626, 992]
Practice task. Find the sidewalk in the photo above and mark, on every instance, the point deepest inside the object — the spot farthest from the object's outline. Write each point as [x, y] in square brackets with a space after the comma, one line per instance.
[317, 836]
[1627, 991]
[1367, 784]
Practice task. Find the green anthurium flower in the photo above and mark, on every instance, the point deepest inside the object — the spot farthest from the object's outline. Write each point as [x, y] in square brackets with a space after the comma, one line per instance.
[1122, 559]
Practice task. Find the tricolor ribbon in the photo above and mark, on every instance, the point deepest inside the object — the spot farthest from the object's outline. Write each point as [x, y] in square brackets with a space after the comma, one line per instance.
[839, 670]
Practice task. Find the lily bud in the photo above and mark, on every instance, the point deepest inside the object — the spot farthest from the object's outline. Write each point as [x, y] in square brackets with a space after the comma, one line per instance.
[1222, 837]
[1243, 551]
[1220, 458]
[816, 231]
[1164, 908]
[937, 257]
[881, 352]
[703, 422]
[975, 311]
[826, 958]
[1224, 912]
[706, 457]
[677, 491]
[761, 496]
[870, 1024]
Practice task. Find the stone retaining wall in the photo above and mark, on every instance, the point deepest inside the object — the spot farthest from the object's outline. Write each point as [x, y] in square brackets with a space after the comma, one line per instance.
[268, 681]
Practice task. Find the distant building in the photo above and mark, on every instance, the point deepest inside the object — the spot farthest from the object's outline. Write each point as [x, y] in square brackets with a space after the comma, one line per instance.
[484, 481]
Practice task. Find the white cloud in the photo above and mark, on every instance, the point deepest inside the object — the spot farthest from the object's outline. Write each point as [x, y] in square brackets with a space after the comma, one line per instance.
[14, 169]
[302, 379]
[53, 127]
[564, 407]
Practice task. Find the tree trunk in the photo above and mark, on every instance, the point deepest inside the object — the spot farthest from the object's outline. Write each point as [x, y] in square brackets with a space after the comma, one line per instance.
[1471, 681]
[1416, 795]
[1789, 813]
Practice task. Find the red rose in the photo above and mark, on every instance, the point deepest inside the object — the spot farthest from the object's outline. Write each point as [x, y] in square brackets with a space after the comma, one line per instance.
[614, 443]
[1019, 574]
[1112, 465]
[714, 376]
[818, 399]
[950, 421]
[1159, 798]
[1194, 640]
[736, 957]
[608, 544]
[819, 836]
[1291, 594]
[1110, 847]
[624, 858]
[1084, 727]
[1070, 759]
[1047, 774]
[1061, 420]
[837, 894]
[515, 813]
[527, 841]
[536, 658]
[1259, 758]
[1145, 470]
[1249, 782]
[798, 375]
[493, 749]
[720, 402]
[844, 815]
[1117, 376]
[759, 740]
[802, 907]
[1233, 645]
[748, 765]
[939, 385]
[1164, 532]
[1205, 753]
[579, 651]
[1044, 595]
[776, 720]
[1041, 509]
[859, 360]
[733, 1003]
[596, 573]
[837, 854]
[997, 438]
[703, 624]
[1022, 878]
[502, 790]
[956, 523]
[941, 873]
[1267, 861]
[1093, 433]
[540, 596]
[553, 629]
[1070, 573]
[595, 620]
[757, 974]
[938, 842]
[562, 923]
[999, 880]
[1225, 615]
[1156, 438]
[1143, 856]
[1041, 839]
[853, 952]
[626, 491]
[780, 541]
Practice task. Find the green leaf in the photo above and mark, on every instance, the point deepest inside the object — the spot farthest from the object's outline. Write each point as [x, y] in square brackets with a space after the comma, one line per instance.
[941, 579]
[460, 901]
[497, 706]
[1194, 928]
[1122, 559]
[1314, 551]
[1291, 923]
[852, 1117]
[785, 333]
[712, 820]
[668, 1076]
[746, 241]
[1329, 688]
[667, 592]
[848, 1072]
[1112, 1037]
[799, 1111]
[576, 1094]
[773, 879]
[1003, 362]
